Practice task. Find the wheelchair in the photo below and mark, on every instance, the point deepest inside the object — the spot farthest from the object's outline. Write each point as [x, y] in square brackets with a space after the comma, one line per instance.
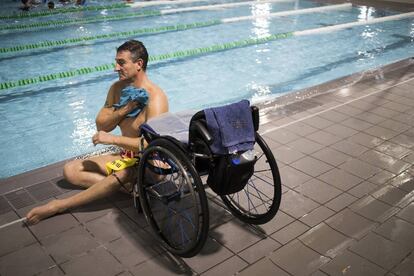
[171, 194]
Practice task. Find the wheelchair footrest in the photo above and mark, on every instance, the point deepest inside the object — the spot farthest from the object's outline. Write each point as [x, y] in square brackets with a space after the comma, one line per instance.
[167, 191]
[165, 198]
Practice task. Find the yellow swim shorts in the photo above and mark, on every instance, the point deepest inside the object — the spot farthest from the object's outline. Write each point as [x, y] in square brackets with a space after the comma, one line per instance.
[120, 164]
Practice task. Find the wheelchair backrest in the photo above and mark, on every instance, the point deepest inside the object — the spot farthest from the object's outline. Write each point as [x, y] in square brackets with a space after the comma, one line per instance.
[199, 137]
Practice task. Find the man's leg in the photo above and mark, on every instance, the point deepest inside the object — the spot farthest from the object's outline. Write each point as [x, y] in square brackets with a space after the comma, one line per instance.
[107, 186]
[85, 173]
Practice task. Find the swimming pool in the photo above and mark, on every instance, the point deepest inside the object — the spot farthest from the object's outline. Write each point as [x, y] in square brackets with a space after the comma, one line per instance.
[53, 120]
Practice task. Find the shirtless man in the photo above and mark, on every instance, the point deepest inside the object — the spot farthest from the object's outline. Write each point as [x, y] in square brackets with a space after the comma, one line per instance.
[131, 63]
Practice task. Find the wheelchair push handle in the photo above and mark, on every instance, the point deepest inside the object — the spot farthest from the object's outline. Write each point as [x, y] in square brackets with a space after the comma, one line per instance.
[205, 134]
[255, 117]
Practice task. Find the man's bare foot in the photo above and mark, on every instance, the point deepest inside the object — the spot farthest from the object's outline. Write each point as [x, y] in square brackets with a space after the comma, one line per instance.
[38, 213]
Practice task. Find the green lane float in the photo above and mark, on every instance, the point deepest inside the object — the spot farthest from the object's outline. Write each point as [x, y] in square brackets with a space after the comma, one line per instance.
[62, 42]
[132, 15]
[172, 28]
[178, 54]
[64, 10]
[65, 22]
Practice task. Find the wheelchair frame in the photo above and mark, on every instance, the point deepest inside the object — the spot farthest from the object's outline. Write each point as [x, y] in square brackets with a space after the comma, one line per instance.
[172, 195]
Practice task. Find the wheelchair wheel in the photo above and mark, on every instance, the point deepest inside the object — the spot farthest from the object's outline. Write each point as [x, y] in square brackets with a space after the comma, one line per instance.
[259, 200]
[173, 198]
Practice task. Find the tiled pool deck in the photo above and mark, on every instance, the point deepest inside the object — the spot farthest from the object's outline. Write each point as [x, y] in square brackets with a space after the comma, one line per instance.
[345, 158]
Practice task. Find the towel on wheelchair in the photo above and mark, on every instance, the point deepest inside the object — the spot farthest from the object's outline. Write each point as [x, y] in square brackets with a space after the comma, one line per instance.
[231, 127]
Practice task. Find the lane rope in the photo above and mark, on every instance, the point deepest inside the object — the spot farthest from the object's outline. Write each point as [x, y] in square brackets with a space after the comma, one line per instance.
[147, 31]
[178, 54]
[79, 40]
[63, 10]
[68, 22]
[96, 8]
[202, 50]
[148, 13]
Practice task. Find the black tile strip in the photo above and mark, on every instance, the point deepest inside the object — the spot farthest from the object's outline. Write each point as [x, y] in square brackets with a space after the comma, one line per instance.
[19, 199]
[43, 191]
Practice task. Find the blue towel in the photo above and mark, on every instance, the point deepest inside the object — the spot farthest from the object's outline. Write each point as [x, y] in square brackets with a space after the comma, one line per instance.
[131, 93]
[231, 127]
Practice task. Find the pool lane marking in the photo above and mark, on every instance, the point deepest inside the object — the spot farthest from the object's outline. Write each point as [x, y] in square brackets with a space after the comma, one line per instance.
[354, 24]
[164, 29]
[13, 222]
[148, 13]
[331, 108]
[220, 6]
[162, 2]
[194, 52]
[288, 13]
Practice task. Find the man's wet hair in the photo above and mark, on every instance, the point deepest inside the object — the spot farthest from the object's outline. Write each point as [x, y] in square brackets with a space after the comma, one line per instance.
[137, 50]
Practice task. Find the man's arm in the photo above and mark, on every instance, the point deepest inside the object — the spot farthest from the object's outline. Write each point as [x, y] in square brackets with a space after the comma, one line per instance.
[108, 118]
[130, 143]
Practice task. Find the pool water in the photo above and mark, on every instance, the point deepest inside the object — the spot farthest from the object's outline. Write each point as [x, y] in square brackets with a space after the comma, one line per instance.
[52, 121]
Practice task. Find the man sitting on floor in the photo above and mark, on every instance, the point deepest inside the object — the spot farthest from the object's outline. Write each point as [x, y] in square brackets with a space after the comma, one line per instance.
[95, 173]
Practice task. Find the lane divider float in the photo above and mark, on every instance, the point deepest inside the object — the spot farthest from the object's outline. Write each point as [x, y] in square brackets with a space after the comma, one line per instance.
[63, 10]
[148, 13]
[204, 50]
[63, 42]
[148, 31]
[68, 22]
[96, 8]
[174, 55]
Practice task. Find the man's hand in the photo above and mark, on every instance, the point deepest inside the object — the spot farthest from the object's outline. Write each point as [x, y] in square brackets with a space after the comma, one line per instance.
[102, 137]
[131, 105]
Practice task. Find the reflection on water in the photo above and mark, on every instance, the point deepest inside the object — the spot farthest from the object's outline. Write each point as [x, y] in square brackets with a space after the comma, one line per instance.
[370, 33]
[366, 13]
[84, 127]
[261, 23]
[259, 91]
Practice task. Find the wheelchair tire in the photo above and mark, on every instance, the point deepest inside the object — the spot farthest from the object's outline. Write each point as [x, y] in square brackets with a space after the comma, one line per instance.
[259, 200]
[173, 198]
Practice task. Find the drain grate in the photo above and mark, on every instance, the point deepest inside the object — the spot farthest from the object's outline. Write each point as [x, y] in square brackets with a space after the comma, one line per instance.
[43, 191]
[4, 206]
[19, 199]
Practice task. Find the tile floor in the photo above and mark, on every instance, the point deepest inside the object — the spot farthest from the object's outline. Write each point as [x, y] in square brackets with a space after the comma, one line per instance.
[347, 208]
